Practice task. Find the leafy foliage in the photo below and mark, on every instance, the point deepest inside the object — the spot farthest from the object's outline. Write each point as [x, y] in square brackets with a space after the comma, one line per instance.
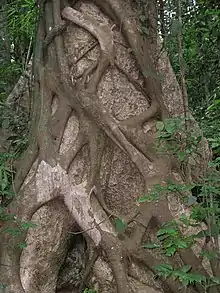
[15, 43]
[175, 140]
[201, 59]
[14, 120]
[185, 276]
[15, 52]
[6, 178]
[22, 14]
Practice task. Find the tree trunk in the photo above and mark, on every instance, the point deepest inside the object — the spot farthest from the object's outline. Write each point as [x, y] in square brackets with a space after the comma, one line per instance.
[96, 99]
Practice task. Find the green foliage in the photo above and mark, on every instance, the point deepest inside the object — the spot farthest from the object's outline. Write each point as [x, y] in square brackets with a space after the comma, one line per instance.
[17, 24]
[3, 286]
[9, 71]
[201, 57]
[9, 223]
[6, 178]
[203, 40]
[22, 14]
[170, 239]
[120, 226]
[89, 291]
[165, 189]
[14, 120]
[185, 276]
[15, 43]
[173, 139]
[210, 123]
[15, 51]
[176, 140]
[14, 227]
[154, 194]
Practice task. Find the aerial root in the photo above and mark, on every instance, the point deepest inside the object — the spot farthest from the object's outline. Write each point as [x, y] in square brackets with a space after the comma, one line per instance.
[117, 260]
[59, 122]
[44, 131]
[67, 158]
[105, 37]
[55, 31]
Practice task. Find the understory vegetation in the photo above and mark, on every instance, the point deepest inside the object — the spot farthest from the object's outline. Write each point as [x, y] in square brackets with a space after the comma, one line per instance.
[201, 64]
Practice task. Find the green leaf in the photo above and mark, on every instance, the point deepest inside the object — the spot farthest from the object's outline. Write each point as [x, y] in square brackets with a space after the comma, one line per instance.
[171, 251]
[28, 225]
[181, 243]
[22, 245]
[144, 199]
[184, 219]
[197, 278]
[164, 270]
[168, 230]
[181, 156]
[151, 245]
[160, 125]
[164, 237]
[186, 268]
[120, 226]
[170, 126]
[13, 231]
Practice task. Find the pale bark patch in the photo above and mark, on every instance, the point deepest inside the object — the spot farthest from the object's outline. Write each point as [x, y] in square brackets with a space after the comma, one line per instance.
[53, 180]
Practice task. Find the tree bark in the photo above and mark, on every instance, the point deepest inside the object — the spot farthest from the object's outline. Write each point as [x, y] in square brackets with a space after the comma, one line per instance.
[96, 99]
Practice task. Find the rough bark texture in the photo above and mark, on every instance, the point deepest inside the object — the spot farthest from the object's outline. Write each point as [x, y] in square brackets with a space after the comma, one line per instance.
[92, 154]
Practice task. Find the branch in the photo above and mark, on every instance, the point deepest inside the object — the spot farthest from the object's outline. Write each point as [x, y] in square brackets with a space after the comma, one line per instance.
[46, 146]
[104, 36]
[182, 70]
[117, 260]
[101, 31]
[19, 87]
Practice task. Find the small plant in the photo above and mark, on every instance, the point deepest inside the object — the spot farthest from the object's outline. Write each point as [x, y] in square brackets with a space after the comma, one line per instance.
[186, 277]
[173, 139]
[170, 239]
